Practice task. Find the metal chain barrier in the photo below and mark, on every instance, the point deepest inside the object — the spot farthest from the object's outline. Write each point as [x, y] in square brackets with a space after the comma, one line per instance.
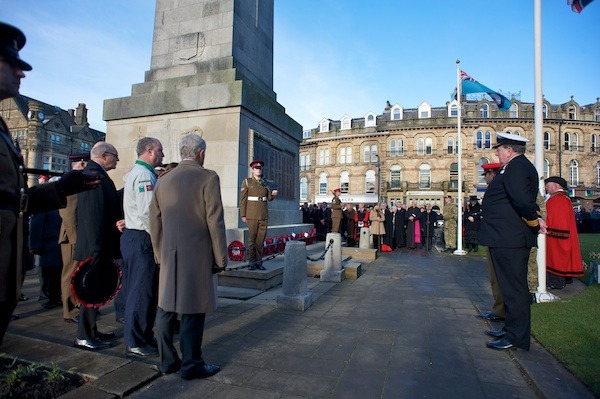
[272, 256]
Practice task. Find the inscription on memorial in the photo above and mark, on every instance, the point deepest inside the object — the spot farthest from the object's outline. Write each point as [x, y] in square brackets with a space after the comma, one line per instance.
[279, 167]
[188, 48]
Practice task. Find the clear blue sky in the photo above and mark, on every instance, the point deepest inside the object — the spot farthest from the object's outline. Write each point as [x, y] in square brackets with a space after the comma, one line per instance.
[332, 57]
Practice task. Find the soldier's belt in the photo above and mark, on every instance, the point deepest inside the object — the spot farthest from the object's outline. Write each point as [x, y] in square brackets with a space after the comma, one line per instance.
[253, 198]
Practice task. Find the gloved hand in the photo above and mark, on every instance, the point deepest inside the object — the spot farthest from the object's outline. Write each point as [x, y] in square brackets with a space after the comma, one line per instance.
[77, 181]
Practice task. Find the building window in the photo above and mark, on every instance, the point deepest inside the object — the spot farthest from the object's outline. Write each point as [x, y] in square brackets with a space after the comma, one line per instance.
[345, 182]
[488, 139]
[573, 173]
[546, 168]
[392, 148]
[453, 109]
[597, 114]
[303, 189]
[454, 175]
[484, 110]
[424, 110]
[594, 143]
[424, 176]
[370, 119]
[598, 174]
[479, 139]
[324, 156]
[420, 147]
[545, 111]
[55, 138]
[428, 146]
[546, 141]
[395, 176]
[399, 147]
[85, 147]
[567, 141]
[397, 113]
[345, 155]
[46, 162]
[513, 112]
[304, 161]
[575, 142]
[370, 153]
[479, 172]
[306, 134]
[572, 113]
[346, 123]
[370, 182]
[322, 183]
[324, 126]
[451, 149]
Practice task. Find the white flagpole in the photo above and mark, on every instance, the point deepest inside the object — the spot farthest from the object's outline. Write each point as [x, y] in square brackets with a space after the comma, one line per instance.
[538, 140]
[459, 249]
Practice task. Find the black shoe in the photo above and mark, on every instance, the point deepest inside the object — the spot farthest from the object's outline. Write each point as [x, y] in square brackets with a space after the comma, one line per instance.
[73, 320]
[50, 305]
[142, 351]
[252, 267]
[500, 344]
[569, 280]
[91, 344]
[499, 333]
[554, 287]
[205, 371]
[14, 317]
[173, 369]
[260, 267]
[105, 336]
[533, 298]
[23, 298]
[489, 316]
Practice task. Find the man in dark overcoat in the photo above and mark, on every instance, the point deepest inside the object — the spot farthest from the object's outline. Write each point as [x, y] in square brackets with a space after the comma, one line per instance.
[509, 229]
[98, 211]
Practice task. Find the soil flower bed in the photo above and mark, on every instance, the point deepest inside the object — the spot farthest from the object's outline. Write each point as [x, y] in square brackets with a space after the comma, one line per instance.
[25, 380]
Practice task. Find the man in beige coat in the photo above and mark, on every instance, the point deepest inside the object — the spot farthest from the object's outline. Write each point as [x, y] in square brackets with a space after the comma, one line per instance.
[187, 229]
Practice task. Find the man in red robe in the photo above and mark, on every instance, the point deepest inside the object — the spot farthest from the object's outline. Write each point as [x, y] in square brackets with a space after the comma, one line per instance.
[563, 254]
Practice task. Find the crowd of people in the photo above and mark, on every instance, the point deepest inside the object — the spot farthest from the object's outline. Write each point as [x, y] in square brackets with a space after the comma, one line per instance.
[392, 227]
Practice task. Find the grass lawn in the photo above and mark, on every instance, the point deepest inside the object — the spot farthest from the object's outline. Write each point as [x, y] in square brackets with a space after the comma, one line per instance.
[570, 328]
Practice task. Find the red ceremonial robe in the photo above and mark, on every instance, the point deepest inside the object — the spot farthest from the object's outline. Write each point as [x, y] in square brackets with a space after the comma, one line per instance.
[563, 254]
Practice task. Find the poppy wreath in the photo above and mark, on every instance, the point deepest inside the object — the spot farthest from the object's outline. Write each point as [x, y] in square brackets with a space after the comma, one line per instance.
[235, 251]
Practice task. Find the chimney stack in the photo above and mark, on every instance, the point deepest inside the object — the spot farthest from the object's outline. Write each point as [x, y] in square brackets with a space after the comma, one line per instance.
[81, 115]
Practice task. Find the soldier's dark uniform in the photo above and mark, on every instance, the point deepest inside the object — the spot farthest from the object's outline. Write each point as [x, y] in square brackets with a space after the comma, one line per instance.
[254, 197]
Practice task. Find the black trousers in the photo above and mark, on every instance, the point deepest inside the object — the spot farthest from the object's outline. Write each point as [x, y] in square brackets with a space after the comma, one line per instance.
[190, 342]
[142, 293]
[510, 265]
[86, 328]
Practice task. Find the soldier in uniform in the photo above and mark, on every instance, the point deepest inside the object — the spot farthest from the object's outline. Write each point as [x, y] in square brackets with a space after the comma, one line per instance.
[450, 221]
[255, 212]
[336, 211]
[17, 201]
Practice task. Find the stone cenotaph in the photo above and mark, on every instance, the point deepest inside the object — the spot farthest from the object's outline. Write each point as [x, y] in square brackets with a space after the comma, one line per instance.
[212, 72]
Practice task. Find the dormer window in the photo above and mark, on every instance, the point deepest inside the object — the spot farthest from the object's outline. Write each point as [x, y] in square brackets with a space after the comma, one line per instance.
[370, 119]
[424, 110]
[396, 113]
[572, 113]
[346, 123]
[453, 109]
[484, 111]
[513, 111]
[324, 125]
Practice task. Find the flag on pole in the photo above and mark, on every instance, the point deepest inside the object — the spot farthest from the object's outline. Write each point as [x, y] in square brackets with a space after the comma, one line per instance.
[578, 5]
[470, 85]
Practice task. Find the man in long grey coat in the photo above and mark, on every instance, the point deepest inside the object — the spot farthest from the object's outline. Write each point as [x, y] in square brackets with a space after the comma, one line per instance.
[187, 229]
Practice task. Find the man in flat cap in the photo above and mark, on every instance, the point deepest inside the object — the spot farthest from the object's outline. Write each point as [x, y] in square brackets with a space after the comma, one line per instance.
[17, 201]
[563, 254]
[255, 194]
[509, 229]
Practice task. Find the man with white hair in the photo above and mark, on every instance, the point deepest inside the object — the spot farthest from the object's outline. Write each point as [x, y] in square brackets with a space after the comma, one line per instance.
[187, 228]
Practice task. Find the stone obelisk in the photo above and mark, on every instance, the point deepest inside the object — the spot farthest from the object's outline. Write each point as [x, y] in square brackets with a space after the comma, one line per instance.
[212, 72]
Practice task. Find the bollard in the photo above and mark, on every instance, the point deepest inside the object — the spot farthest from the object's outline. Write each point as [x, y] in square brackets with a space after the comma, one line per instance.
[365, 238]
[295, 294]
[332, 266]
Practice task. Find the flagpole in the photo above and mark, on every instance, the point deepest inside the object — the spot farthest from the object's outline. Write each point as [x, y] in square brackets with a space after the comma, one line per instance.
[459, 249]
[538, 140]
